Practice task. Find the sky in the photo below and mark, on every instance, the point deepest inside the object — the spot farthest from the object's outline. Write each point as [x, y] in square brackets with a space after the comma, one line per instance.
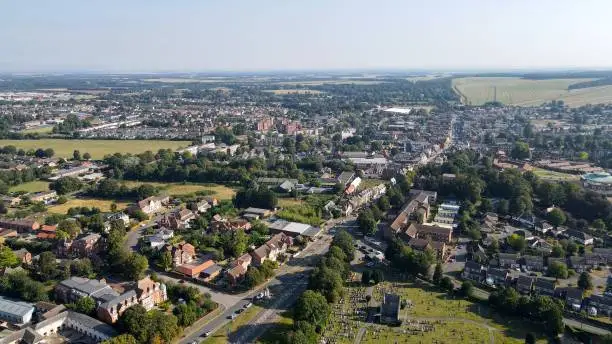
[252, 35]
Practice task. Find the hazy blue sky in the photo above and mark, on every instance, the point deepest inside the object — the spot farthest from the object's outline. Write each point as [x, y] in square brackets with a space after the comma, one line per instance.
[204, 35]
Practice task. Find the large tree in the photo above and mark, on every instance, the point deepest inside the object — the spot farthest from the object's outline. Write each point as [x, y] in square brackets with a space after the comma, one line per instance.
[312, 307]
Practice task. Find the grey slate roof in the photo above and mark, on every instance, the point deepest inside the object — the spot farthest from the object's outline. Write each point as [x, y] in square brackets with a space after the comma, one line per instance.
[17, 308]
[92, 287]
[119, 299]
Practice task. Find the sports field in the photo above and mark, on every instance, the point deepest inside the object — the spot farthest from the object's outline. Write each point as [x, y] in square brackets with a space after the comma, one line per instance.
[221, 192]
[525, 92]
[97, 148]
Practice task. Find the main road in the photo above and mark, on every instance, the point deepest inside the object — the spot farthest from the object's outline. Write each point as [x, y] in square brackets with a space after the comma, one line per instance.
[290, 281]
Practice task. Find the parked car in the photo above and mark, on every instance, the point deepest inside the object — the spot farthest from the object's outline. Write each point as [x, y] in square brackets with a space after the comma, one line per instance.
[248, 305]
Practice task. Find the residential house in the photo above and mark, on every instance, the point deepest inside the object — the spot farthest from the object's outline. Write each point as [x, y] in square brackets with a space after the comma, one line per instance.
[533, 263]
[238, 268]
[152, 205]
[116, 216]
[497, 277]
[602, 303]
[45, 196]
[271, 249]
[605, 252]
[201, 206]
[85, 246]
[508, 260]
[524, 284]
[21, 226]
[544, 286]
[24, 256]
[579, 264]
[47, 232]
[474, 271]
[573, 298]
[160, 239]
[543, 227]
[579, 237]
[10, 201]
[182, 253]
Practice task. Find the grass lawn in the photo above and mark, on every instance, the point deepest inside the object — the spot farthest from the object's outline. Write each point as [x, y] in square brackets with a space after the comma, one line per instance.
[289, 202]
[552, 175]
[278, 332]
[367, 183]
[35, 186]
[104, 205]
[518, 91]
[220, 336]
[222, 192]
[97, 148]
[430, 317]
[38, 130]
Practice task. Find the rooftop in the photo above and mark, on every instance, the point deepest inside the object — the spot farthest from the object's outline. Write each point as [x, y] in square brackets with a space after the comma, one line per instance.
[17, 308]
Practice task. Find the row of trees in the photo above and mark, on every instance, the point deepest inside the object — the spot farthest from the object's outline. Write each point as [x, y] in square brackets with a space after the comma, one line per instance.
[312, 310]
[543, 310]
[112, 189]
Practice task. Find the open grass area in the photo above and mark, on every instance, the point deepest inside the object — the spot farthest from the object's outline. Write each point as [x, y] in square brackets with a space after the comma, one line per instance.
[103, 205]
[38, 130]
[97, 148]
[429, 317]
[221, 192]
[554, 176]
[279, 331]
[220, 336]
[367, 183]
[293, 91]
[289, 202]
[35, 186]
[518, 91]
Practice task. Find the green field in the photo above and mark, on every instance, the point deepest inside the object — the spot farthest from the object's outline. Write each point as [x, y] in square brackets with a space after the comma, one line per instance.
[35, 186]
[97, 148]
[518, 91]
[39, 130]
[221, 192]
[554, 176]
[102, 204]
[429, 317]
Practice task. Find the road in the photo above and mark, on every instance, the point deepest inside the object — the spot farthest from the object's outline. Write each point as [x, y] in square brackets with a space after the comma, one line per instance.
[288, 284]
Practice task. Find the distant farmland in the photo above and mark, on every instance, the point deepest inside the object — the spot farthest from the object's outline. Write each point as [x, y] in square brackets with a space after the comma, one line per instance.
[97, 148]
[526, 92]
